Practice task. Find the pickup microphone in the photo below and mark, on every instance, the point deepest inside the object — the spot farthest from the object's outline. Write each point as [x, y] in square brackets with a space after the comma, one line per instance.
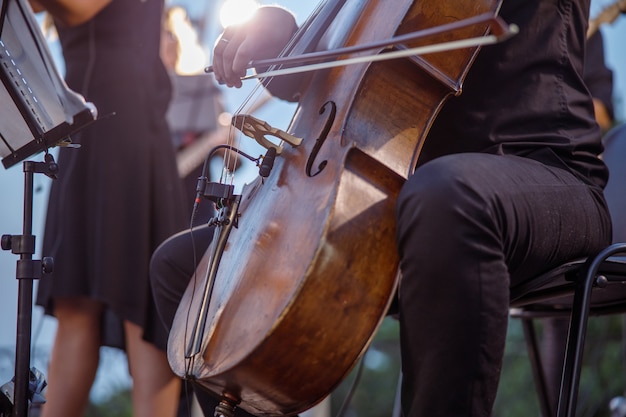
[268, 162]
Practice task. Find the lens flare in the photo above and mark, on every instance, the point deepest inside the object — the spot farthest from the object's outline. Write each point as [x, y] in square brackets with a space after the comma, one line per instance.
[235, 12]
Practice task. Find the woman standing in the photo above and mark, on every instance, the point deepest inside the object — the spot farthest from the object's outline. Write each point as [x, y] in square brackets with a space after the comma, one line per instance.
[116, 198]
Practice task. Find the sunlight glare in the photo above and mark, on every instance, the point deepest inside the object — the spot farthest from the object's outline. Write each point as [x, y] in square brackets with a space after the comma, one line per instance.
[237, 11]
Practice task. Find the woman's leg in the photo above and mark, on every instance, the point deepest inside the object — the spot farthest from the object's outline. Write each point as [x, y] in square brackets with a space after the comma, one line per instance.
[75, 357]
[156, 390]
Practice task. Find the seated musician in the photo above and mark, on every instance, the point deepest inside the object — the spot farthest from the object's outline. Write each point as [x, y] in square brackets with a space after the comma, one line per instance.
[508, 185]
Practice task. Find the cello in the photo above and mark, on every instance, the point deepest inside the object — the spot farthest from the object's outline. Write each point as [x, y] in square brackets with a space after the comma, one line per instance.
[303, 265]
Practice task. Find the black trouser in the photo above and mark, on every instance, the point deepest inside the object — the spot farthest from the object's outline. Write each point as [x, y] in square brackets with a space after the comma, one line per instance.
[469, 226]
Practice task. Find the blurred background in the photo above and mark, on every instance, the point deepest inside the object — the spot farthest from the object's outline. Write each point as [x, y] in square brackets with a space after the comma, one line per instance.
[196, 25]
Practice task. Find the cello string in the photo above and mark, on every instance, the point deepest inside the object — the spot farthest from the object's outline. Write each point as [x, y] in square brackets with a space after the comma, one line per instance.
[229, 160]
[233, 138]
[234, 132]
[307, 25]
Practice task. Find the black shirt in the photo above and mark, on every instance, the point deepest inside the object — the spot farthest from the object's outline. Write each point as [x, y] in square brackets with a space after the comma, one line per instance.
[526, 96]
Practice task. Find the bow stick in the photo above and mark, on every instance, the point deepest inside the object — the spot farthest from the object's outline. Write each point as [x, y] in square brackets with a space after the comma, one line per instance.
[499, 28]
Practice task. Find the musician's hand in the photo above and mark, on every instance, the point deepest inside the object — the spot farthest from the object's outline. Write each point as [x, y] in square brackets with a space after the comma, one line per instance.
[264, 36]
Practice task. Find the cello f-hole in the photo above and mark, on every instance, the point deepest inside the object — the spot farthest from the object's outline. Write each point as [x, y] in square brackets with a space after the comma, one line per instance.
[321, 139]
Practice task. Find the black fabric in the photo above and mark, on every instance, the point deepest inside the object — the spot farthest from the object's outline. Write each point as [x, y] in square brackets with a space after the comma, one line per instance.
[496, 220]
[555, 329]
[117, 196]
[613, 156]
[470, 226]
[526, 96]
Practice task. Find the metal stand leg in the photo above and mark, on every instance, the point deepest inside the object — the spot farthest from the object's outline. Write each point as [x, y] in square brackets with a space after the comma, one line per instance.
[27, 271]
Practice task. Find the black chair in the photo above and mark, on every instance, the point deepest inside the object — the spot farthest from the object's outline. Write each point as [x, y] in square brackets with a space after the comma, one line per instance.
[578, 289]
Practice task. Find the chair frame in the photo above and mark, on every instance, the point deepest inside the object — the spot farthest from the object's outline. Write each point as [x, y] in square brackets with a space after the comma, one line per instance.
[578, 278]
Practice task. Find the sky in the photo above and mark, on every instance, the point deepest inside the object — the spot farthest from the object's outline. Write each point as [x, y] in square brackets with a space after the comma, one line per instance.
[615, 55]
[12, 183]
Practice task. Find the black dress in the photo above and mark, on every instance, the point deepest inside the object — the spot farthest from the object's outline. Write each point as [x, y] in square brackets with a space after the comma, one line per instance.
[118, 195]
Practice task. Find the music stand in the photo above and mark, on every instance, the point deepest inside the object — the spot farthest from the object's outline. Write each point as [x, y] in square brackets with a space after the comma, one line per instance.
[38, 112]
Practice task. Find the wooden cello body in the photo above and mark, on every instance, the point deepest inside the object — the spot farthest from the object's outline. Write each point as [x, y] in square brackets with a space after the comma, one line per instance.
[308, 274]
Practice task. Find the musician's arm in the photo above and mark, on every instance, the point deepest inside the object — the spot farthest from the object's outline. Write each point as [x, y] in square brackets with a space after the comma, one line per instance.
[70, 12]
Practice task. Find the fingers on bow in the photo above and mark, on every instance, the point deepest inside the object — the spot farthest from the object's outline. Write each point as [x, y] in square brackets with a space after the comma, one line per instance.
[228, 66]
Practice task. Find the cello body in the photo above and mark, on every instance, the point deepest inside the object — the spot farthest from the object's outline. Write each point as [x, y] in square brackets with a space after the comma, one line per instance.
[311, 269]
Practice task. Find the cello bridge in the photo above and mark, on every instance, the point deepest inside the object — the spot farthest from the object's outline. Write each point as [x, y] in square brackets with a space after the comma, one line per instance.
[259, 130]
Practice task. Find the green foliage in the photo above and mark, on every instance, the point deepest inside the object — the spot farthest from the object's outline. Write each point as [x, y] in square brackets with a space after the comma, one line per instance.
[119, 404]
[603, 376]
[375, 391]
[516, 392]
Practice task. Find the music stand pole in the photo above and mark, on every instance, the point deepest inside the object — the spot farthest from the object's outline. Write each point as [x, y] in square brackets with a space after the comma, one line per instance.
[27, 271]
